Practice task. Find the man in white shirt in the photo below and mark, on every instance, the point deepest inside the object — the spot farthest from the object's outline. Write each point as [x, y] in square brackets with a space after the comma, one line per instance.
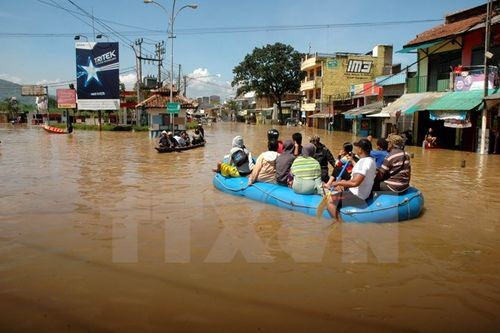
[357, 189]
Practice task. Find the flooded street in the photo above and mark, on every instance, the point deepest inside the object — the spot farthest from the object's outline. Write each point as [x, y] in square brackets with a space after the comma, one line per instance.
[99, 232]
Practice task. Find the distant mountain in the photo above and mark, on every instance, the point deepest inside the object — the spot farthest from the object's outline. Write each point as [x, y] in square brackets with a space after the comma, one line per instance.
[10, 89]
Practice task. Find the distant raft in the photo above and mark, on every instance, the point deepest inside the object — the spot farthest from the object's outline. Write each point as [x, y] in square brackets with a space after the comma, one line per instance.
[381, 208]
[55, 130]
[170, 150]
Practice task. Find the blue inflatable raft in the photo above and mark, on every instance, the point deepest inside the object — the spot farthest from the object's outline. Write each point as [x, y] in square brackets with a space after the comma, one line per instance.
[381, 208]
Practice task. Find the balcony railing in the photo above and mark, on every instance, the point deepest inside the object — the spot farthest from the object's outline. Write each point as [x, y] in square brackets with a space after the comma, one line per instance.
[308, 63]
[310, 84]
[423, 84]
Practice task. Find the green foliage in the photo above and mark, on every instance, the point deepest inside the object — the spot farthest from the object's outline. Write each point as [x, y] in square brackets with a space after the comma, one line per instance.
[272, 70]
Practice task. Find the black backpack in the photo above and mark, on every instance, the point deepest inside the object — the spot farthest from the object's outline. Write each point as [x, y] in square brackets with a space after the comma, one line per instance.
[239, 157]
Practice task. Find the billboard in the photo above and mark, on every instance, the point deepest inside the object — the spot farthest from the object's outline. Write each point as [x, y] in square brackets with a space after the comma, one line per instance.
[97, 76]
[66, 98]
[33, 90]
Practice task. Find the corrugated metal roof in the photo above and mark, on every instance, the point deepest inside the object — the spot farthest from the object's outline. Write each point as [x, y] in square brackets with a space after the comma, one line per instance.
[460, 100]
[362, 110]
[412, 48]
[389, 80]
[403, 103]
[424, 103]
[321, 115]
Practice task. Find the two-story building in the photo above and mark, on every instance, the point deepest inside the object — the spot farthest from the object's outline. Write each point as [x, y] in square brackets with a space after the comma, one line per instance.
[448, 91]
[328, 81]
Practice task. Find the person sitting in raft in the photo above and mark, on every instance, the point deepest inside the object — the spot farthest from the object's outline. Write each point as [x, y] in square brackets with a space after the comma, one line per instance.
[323, 156]
[297, 141]
[345, 156]
[186, 138]
[356, 190]
[197, 137]
[306, 172]
[167, 140]
[381, 152]
[240, 162]
[265, 166]
[164, 142]
[284, 163]
[180, 140]
[430, 138]
[395, 173]
[173, 141]
[201, 129]
[273, 134]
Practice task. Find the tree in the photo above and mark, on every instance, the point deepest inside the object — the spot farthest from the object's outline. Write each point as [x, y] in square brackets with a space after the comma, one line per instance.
[273, 70]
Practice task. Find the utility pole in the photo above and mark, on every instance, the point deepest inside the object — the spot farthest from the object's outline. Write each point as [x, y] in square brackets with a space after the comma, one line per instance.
[482, 147]
[160, 50]
[179, 78]
[185, 84]
[138, 61]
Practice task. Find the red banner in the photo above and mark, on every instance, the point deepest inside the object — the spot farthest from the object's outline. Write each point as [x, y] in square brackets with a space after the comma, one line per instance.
[66, 98]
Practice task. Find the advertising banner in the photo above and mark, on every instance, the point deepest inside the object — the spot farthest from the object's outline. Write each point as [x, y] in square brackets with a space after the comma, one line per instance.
[33, 90]
[97, 76]
[66, 98]
[472, 81]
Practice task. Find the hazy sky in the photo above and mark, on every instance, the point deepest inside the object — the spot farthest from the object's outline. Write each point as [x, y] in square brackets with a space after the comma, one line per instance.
[38, 45]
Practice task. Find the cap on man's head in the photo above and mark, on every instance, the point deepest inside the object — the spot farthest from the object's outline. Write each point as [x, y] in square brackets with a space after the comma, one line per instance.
[164, 132]
[170, 133]
[396, 140]
[364, 144]
[314, 137]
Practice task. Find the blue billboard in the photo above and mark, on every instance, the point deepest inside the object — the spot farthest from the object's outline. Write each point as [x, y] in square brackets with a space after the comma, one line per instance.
[97, 76]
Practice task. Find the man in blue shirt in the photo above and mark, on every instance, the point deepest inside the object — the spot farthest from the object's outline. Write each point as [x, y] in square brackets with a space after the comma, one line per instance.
[381, 152]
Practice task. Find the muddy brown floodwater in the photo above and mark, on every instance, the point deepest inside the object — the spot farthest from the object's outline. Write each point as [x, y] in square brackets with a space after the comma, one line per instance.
[98, 232]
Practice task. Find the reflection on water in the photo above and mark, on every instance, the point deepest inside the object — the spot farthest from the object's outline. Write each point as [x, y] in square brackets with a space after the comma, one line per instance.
[100, 232]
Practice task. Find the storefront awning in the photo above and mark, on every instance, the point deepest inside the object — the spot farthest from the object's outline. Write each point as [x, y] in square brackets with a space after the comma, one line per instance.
[460, 100]
[424, 103]
[380, 114]
[363, 110]
[414, 48]
[403, 103]
[321, 115]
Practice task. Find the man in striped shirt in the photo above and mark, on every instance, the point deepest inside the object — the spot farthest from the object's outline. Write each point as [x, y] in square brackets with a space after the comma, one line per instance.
[395, 172]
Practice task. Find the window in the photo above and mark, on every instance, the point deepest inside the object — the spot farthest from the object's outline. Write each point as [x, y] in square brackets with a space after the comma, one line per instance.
[318, 72]
[440, 66]
[318, 93]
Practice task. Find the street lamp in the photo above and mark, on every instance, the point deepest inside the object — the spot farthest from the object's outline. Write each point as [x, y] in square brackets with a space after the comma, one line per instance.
[173, 14]
[77, 37]
[99, 36]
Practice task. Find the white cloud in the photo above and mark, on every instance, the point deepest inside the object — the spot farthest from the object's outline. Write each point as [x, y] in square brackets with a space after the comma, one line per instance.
[10, 78]
[129, 80]
[201, 82]
[48, 82]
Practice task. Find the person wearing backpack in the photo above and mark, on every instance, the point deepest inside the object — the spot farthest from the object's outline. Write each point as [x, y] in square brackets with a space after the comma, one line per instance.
[239, 163]
[265, 166]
